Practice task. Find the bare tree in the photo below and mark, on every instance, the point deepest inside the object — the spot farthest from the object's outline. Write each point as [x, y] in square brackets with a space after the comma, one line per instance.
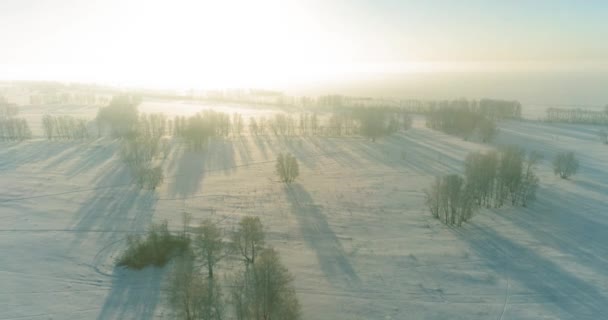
[186, 290]
[248, 240]
[265, 292]
[565, 164]
[190, 295]
[210, 245]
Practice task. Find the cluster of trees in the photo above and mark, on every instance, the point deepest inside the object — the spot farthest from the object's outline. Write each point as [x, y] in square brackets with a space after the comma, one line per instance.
[450, 201]
[496, 109]
[120, 117]
[375, 123]
[507, 176]
[463, 120]
[142, 137]
[287, 167]
[197, 129]
[577, 116]
[139, 152]
[262, 289]
[565, 164]
[491, 179]
[64, 127]
[152, 125]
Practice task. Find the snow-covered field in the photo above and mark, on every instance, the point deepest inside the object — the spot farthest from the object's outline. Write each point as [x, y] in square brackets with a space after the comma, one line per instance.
[353, 228]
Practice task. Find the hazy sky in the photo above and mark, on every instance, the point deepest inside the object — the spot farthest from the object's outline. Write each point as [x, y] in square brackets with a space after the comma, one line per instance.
[261, 43]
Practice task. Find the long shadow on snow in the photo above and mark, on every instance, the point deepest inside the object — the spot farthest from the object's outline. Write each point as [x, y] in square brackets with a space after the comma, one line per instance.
[91, 157]
[574, 297]
[134, 294]
[113, 213]
[188, 167]
[116, 207]
[320, 237]
[423, 154]
[554, 130]
[16, 154]
[299, 147]
[570, 224]
[243, 149]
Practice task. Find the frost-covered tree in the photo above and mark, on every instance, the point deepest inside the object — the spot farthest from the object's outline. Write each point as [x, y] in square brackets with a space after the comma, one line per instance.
[565, 164]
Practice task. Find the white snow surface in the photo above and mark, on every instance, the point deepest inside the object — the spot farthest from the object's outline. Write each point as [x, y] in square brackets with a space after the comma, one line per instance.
[353, 228]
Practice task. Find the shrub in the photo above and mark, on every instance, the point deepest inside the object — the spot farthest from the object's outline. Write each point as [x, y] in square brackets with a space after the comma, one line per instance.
[565, 164]
[287, 168]
[156, 248]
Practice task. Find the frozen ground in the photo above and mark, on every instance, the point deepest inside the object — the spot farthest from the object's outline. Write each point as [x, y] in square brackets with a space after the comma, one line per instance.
[353, 228]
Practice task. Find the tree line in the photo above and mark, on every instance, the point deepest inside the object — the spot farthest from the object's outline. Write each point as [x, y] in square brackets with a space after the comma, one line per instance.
[11, 127]
[64, 127]
[577, 115]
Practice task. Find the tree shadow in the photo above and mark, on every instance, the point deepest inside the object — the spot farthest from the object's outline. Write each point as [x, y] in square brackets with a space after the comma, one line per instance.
[220, 156]
[320, 237]
[423, 153]
[91, 157]
[570, 223]
[243, 149]
[260, 143]
[14, 155]
[188, 171]
[134, 294]
[298, 146]
[188, 167]
[572, 296]
[115, 208]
